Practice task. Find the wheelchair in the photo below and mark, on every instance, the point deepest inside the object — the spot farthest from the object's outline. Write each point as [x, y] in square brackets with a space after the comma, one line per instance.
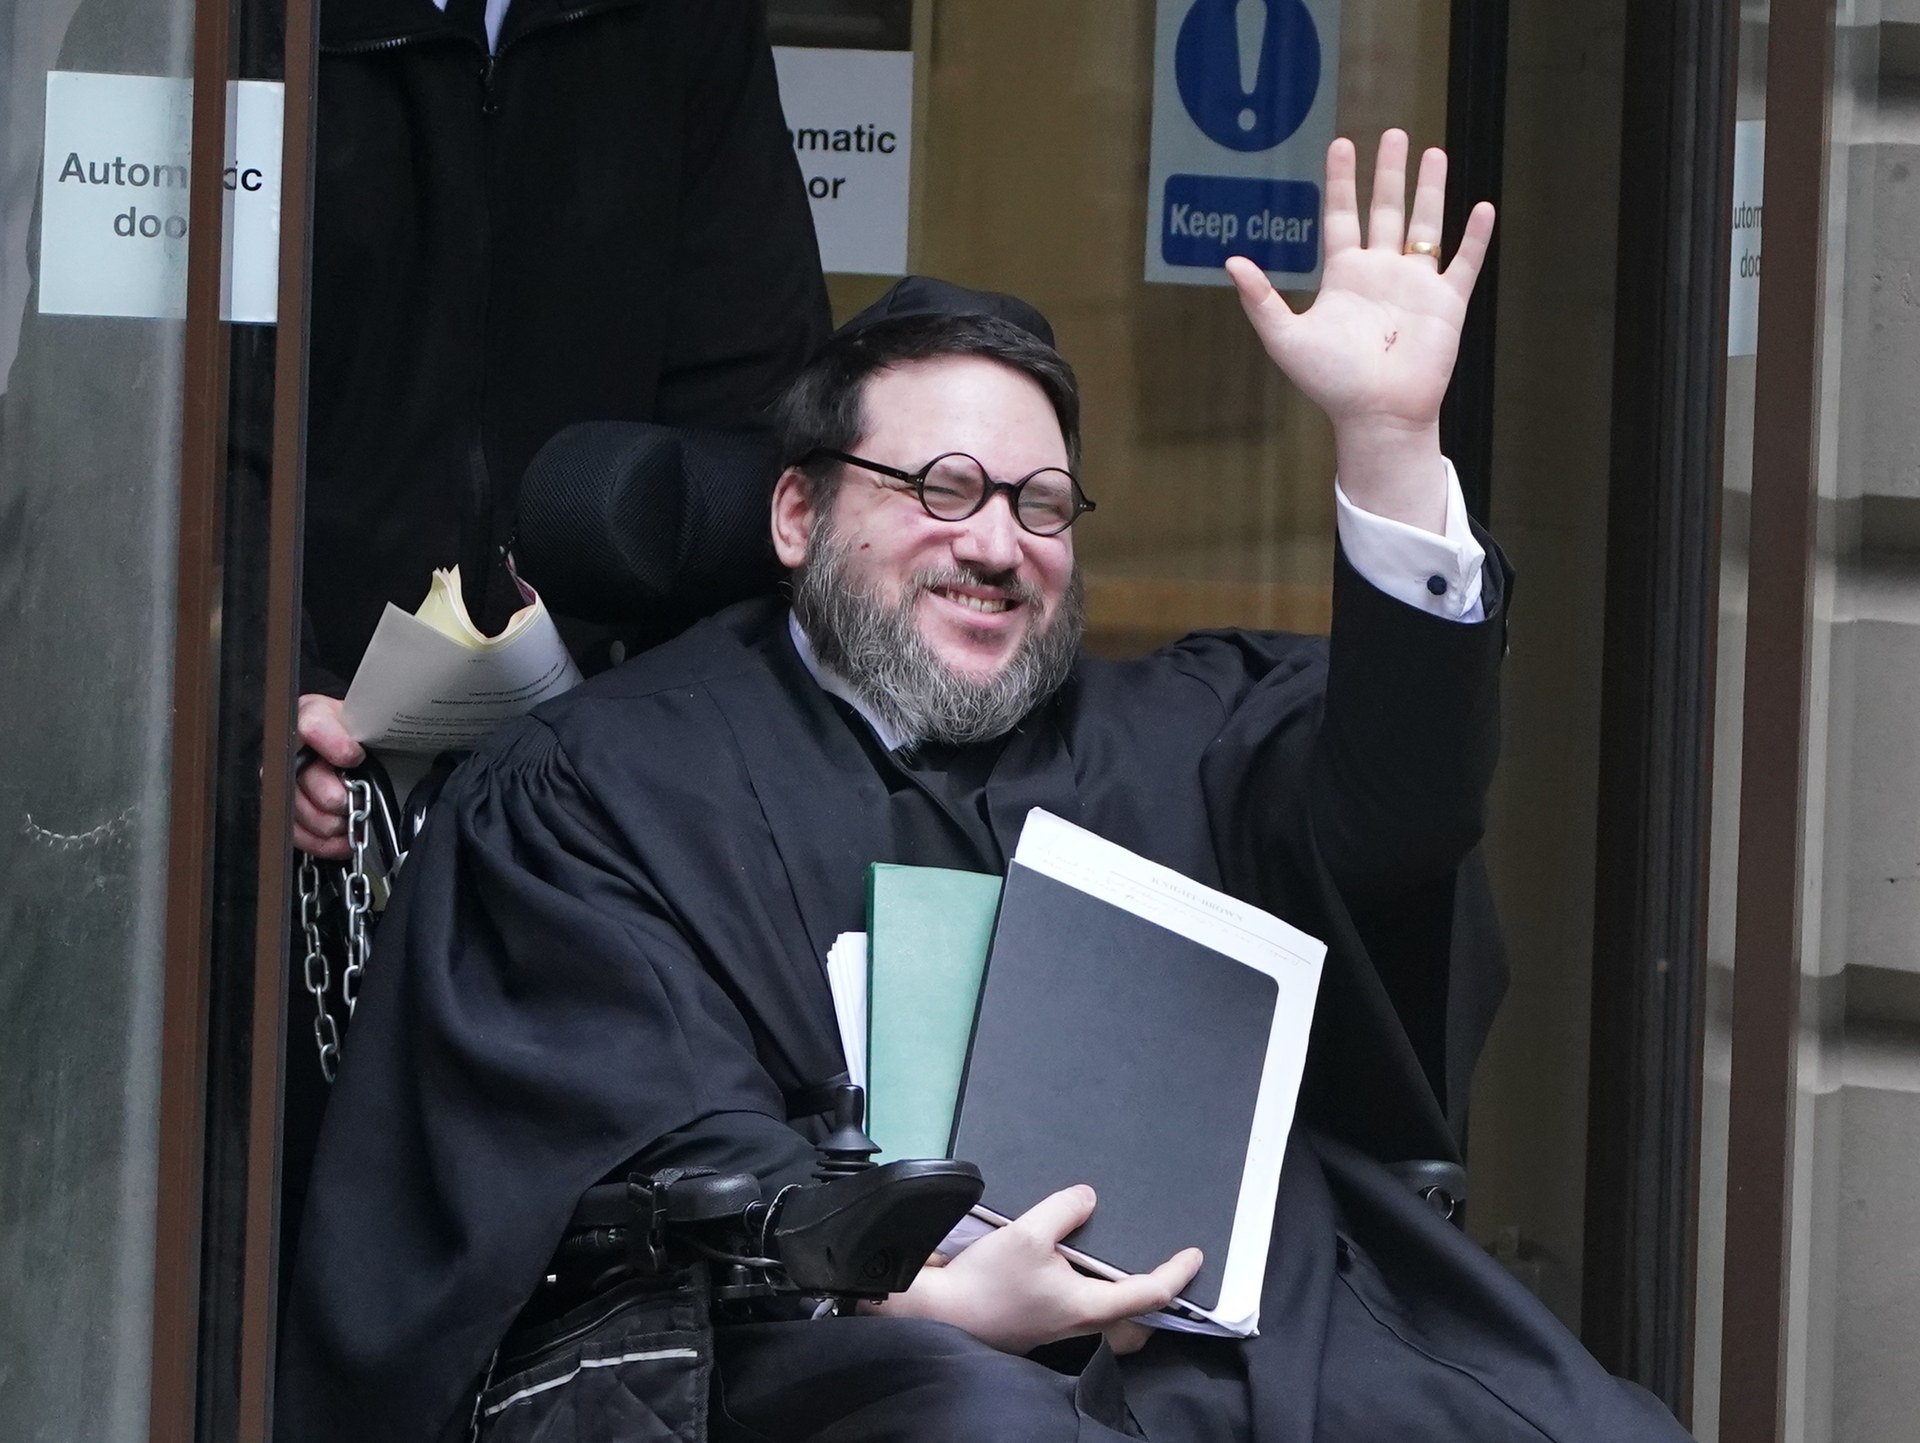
[651, 1263]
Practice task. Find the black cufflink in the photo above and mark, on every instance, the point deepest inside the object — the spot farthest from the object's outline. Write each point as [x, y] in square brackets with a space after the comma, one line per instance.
[1437, 585]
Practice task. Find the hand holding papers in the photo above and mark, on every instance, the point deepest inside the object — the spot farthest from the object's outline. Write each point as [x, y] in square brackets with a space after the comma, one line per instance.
[1146, 1034]
[1135, 1030]
[1015, 1288]
[431, 682]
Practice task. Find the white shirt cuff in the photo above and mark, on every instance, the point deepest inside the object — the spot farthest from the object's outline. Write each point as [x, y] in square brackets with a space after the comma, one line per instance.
[1439, 574]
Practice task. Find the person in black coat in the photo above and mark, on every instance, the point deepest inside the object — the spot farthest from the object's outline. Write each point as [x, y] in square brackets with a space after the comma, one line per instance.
[525, 216]
[606, 952]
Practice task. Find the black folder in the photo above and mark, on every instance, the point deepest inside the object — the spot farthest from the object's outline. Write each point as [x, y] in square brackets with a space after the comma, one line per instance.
[1111, 1051]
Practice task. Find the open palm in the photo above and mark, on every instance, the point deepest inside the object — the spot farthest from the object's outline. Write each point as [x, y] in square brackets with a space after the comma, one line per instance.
[1379, 341]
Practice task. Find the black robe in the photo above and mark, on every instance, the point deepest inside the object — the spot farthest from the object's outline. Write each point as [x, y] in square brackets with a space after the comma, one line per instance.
[609, 943]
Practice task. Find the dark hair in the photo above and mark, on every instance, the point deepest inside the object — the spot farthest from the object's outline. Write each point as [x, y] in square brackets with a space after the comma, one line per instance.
[822, 408]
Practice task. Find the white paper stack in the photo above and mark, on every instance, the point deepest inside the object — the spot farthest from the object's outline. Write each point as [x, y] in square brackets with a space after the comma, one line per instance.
[847, 979]
[431, 682]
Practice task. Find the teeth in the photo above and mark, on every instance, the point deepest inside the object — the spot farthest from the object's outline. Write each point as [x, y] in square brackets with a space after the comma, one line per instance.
[978, 603]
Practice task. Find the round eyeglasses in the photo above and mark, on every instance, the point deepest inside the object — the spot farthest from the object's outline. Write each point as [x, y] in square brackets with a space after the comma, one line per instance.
[955, 486]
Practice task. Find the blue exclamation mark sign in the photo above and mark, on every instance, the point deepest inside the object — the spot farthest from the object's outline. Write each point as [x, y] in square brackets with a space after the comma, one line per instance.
[1250, 30]
[1248, 70]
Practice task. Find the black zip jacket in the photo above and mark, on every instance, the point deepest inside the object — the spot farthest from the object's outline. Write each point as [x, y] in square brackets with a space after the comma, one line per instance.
[603, 220]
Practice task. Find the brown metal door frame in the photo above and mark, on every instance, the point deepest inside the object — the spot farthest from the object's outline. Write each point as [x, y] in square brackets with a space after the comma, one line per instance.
[1773, 763]
[262, 1242]
[181, 1297]
[196, 675]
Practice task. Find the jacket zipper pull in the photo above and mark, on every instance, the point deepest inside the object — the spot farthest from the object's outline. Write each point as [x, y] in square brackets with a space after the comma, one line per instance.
[489, 103]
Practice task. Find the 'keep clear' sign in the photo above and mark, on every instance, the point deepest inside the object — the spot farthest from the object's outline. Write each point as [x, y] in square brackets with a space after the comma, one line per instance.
[1243, 101]
[113, 197]
[850, 115]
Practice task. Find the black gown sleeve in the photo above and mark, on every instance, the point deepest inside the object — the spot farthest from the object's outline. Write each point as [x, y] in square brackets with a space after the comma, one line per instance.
[1405, 756]
[1347, 787]
[1406, 749]
[532, 1019]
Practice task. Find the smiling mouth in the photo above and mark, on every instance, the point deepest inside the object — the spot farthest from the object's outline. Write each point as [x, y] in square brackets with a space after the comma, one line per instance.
[986, 604]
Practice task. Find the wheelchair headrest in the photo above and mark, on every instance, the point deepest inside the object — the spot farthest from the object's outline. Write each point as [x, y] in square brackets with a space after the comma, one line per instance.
[645, 526]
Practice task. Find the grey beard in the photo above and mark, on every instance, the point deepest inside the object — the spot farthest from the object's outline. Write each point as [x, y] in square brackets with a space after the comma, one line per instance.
[873, 646]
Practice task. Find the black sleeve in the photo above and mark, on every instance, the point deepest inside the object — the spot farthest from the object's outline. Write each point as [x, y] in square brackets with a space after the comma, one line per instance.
[750, 304]
[1347, 787]
[1411, 730]
[532, 1018]
[1397, 794]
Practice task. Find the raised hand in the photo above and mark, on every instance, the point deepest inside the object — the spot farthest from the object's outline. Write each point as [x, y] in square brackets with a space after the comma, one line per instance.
[1376, 348]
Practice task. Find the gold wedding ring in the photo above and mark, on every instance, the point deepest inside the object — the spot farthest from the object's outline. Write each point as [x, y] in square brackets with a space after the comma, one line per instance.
[1423, 248]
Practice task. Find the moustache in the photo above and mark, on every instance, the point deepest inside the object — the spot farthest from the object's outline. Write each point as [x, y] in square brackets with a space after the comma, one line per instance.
[1023, 593]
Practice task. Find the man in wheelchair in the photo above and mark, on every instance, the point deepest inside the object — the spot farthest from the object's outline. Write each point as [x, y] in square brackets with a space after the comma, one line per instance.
[602, 979]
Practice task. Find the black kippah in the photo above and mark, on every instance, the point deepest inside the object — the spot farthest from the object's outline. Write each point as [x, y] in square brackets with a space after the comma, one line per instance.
[928, 296]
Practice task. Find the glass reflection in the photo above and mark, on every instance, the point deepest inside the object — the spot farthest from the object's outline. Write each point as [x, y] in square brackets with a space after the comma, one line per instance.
[89, 455]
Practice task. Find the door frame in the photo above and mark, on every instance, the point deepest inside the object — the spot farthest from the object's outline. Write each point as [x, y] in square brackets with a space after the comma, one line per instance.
[224, 990]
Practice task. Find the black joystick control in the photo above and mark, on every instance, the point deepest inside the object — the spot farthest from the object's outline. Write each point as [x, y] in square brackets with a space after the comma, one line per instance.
[857, 1231]
[846, 1148]
[867, 1234]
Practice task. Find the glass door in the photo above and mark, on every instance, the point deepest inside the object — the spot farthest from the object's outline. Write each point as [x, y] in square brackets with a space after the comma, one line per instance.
[143, 546]
[91, 409]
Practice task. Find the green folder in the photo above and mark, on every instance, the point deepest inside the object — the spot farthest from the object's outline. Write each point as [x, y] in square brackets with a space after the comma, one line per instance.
[928, 930]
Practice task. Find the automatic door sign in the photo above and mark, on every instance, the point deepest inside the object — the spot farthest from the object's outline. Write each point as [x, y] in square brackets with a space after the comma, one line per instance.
[1243, 102]
[850, 117]
[113, 197]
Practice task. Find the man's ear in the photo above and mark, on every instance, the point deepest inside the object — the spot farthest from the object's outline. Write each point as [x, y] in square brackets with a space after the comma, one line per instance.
[793, 517]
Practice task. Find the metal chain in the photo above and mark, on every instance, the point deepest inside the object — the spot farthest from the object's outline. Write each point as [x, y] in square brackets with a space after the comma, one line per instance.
[319, 977]
[357, 886]
[359, 891]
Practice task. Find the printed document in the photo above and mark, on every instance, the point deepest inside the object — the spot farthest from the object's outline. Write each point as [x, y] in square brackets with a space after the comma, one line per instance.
[430, 682]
